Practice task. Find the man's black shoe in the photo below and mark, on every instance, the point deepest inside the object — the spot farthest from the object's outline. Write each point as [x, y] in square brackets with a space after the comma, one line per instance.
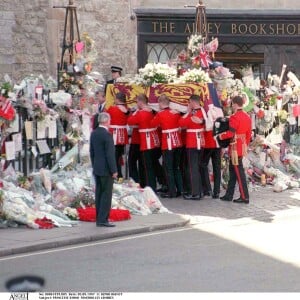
[215, 196]
[241, 200]
[162, 190]
[179, 194]
[167, 195]
[106, 224]
[192, 197]
[225, 198]
[208, 193]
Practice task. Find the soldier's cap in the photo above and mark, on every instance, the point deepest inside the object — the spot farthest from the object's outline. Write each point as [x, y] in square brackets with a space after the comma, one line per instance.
[116, 69]
[215, 65]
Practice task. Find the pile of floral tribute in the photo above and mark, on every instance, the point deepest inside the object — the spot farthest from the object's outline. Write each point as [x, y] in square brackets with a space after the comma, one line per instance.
[58, 197]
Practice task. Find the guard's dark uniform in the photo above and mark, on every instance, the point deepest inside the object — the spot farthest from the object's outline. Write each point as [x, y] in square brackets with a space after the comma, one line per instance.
[134, 162]
[171, 149]
[240, 132]
[211, 150]
[194, 141]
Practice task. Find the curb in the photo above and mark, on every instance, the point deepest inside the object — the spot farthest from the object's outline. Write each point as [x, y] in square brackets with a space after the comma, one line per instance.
[40, 246]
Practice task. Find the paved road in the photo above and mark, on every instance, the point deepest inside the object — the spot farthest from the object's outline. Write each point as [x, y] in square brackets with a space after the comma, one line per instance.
[177, 260]
[226, 248]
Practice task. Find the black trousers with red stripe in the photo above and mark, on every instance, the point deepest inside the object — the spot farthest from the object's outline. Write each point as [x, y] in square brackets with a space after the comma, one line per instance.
[148, 174]
[171, 165]
[194, 175]
[237, 174]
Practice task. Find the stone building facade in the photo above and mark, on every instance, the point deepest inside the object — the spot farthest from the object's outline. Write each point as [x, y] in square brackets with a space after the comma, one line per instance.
[31, 31]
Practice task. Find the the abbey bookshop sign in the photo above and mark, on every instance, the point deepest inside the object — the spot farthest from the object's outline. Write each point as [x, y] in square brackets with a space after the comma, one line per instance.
[266, 29]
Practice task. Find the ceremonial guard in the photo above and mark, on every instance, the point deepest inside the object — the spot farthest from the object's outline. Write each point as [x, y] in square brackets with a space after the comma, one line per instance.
[240, 134]
[149, 139]
[116, 72]
[134, 163]
[211, 150]
[194, 121]
[171, 145]
[118, 128]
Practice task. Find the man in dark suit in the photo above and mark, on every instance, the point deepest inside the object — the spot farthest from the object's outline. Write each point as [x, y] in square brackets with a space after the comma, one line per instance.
[100, 98]
[102, 153]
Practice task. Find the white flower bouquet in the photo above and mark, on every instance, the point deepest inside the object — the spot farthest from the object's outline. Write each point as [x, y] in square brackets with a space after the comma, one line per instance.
[195, 43]
[154, 73]
[194, 75]
[71, 213]
[234, 87]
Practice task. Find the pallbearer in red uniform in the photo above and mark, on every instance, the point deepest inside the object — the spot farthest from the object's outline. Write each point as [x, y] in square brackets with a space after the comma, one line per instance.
[118, 128]
[168, 119]
[194, 143]
[134, 165]
[149, 139]
[211, 151]
[240, 132]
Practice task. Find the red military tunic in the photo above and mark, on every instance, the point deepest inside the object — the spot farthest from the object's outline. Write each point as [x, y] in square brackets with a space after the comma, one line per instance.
[194, 131]
[168, 121]
[118, 125]
[210, 141]
[240, 130]
[135, 136]
[149, 138]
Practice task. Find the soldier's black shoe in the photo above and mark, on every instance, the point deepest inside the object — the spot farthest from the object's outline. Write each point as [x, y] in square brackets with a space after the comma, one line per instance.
[192, 197]
[208, 193]
[167, 195]
[225, 198]
[215, 196]
[241, 200]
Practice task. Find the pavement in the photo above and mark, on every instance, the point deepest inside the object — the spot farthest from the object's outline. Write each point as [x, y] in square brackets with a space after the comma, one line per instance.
[264, 206]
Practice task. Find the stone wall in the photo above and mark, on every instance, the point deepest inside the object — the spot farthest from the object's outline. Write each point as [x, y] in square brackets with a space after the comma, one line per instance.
[31, 31]
[23, 38]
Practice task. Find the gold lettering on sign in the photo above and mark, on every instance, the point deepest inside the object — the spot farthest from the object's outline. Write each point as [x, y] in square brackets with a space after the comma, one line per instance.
[187, 28]
[163, 27]
[242, 28]
[233, 28]
[172, 27]
[253, 29]
[291, 29]
[262, 29]
[218, 26]
[210, 28]
[280, 28]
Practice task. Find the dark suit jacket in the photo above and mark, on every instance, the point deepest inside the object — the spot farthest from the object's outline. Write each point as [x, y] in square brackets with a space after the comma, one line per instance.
[95, 117]
[102, 152]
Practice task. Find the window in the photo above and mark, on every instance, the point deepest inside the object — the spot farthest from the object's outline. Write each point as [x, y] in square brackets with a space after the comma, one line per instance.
[163, 52]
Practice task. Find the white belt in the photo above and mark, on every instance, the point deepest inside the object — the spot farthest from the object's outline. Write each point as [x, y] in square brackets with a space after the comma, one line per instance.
[115, 136]
[117, 126]
[169, 138]
[148, 137]
[198, 137]
[170, 130]
[195, 130]
[147, 130]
